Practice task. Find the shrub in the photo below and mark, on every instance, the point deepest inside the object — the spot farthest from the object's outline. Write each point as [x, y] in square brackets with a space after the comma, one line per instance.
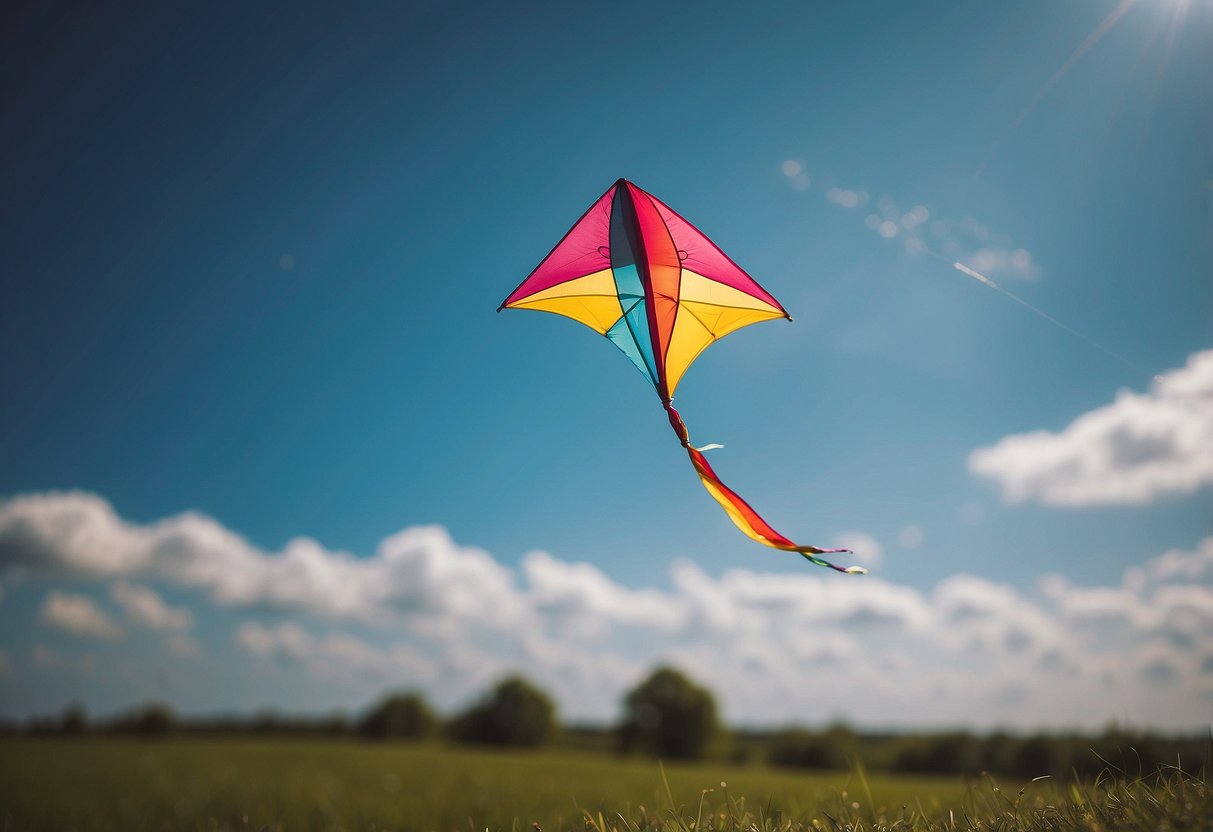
[399, 716]
[153, 719]
[668, 715]
[835, 748]
[515, 713]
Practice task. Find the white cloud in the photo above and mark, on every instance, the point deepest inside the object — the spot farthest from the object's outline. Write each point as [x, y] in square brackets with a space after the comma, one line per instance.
[1180, 565]
[772, 600]
[71, 533]
[183, 645]
[867, 549]
[847, 198]
[419, 571]
[145, 608]
[965, 240]
[287, 641]
[994, 260]
[1133, 451]
[451, 619]
[334, 654]
[585, 595]
[44, 657]
[794, 170]
[910, 537]
[78, 615]
[1102, 607]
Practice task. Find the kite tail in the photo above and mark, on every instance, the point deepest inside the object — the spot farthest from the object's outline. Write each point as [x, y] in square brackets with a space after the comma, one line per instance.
[740, 512]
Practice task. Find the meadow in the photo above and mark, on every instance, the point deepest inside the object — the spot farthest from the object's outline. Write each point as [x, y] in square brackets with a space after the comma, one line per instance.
[222, 784]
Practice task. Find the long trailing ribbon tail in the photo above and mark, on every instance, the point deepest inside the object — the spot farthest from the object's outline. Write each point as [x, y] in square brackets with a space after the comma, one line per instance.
[741, 513]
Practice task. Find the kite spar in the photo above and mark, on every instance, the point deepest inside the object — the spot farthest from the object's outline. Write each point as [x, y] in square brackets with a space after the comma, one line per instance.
[635, 271]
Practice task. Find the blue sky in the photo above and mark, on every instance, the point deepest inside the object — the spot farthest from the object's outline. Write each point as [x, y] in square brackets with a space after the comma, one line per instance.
[250, 267]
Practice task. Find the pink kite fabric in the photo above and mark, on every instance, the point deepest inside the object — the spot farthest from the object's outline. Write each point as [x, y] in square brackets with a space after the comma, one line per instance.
[580, 252]
[635, 271]
[703, 256]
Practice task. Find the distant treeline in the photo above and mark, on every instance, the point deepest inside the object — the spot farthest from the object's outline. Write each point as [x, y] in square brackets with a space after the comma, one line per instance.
[1024, 757]
[671, 717]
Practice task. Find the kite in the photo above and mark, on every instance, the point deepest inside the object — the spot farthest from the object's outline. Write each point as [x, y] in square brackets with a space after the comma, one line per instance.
[635, 271]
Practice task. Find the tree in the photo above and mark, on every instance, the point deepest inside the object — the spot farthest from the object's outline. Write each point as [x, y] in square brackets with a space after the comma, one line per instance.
[1037, 756]
[153, 719]
[949, 753]
[835, 748]
[514, 713]
[74, 720]
[399, 716]
[668, 715]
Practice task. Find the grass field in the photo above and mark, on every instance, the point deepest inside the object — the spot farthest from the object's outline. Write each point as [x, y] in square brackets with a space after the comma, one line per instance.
[249, 784]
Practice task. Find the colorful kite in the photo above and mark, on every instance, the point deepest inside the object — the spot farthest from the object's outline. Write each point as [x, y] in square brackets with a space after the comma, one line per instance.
[633, 270]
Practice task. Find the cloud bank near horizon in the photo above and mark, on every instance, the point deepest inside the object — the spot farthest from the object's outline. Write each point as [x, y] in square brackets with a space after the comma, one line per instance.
[425, 612]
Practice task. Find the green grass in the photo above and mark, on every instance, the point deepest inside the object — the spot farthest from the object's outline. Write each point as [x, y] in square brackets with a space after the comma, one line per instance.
[249, 784]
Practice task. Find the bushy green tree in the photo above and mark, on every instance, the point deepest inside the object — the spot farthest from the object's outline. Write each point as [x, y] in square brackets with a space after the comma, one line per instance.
[152, 719]
[948, 753]
[74, 720]
[669, 715]
[399, 716]
[835, 748]
[515, 713]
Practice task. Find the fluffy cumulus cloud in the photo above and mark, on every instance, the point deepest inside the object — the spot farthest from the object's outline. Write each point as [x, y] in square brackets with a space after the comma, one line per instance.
[420, 570]
[78, 615]
[805, 645]
[332, 653]
[584, 595]
[1177, 565]
[1133, 451]
[145, 608]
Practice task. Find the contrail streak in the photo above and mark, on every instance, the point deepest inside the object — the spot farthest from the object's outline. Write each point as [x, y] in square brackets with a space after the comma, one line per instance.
[981, 278]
